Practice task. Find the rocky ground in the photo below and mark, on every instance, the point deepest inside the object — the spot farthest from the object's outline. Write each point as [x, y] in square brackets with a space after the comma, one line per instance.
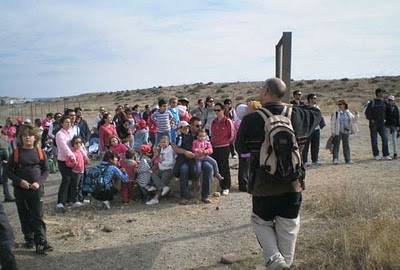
[194, 236]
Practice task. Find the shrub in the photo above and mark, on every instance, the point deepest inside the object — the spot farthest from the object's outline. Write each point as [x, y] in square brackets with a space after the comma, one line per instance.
[344, 80]
[239, 98]
[224, 85]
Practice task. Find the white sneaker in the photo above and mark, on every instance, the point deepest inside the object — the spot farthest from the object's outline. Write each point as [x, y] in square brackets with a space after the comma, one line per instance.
[86, 201]
[152, 202]
[377, 158]
[349, 162]
[60, 206]
[77, 205]
[225, 192]
[335, 161]
[151, 188]
[387, 158]
[165, 190]
[106, 204]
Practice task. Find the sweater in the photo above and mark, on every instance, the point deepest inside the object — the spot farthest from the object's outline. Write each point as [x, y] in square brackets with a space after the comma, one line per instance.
[78, 164]
[335, 123]
[200, 146]
[63, 141]
[105, 135]
[223, 132]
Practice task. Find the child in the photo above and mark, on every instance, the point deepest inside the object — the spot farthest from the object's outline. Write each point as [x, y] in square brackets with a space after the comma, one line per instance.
[77, 164]
[164, 120]
[202, 149]
[49, 149]
[164, 173]
[141, 135]
[144, 171]
[117, 147]
[183, 130]
[27, 167]
[130, 165]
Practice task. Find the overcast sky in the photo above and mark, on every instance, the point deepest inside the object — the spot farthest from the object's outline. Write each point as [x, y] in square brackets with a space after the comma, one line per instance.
[60, 48]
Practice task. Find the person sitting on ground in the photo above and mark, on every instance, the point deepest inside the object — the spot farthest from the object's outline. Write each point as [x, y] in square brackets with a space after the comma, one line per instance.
[111, 174]
[141, 135]
[77, 165]
[144, 172]
[27, 167]
[202, 148]
[130, 165]
[163, 175]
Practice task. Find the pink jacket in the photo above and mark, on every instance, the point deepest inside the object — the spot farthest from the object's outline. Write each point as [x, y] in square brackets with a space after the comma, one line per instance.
[78, 164]
[199, 146]
[63, 141]
[119, 149]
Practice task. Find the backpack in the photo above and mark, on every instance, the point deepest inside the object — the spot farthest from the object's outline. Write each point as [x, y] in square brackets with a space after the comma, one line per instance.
[94, 179]
[280, 157]
[38, 149]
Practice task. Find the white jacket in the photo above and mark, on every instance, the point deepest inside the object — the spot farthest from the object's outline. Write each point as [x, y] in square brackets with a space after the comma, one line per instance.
[167, 159]
[335, 123]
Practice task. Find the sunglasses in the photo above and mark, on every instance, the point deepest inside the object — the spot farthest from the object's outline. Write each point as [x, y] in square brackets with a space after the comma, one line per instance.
[340, 104]
[198, 126]
[217, 110]
[210, 101]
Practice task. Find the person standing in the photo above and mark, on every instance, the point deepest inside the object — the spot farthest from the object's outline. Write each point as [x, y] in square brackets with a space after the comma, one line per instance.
[106, 132]
[200, 110]
[276, 205]
[296, 101]
[7, 259]
[231, 114]
[5, 151]
[82, 125]
[223, 135]
[173, 103]
[376, 115]
[343, 124]
[164, 121]
[314, 139]
[392, 122]
[209, 115]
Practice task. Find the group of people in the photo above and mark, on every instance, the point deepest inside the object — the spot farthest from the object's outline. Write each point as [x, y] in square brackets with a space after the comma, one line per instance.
[147, 149]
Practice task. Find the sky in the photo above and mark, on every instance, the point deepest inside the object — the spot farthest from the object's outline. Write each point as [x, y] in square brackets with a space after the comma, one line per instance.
[61, 48]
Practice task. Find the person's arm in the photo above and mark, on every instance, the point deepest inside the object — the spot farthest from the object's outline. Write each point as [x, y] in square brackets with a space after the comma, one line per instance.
[368, 111]
[118, 174]
[50, 134]
[62, 145]
[241, 144]
[182, 151]
[44, 170]
[209, 148]
[11, 167]
[231, 131]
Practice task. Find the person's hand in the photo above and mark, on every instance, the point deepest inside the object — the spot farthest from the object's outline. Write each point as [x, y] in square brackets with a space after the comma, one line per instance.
[35, 186]
[24, 184]
[189, 154]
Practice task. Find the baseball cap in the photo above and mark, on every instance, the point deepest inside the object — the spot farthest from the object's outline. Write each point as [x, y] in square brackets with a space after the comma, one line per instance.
[390, 98]
[183, 124]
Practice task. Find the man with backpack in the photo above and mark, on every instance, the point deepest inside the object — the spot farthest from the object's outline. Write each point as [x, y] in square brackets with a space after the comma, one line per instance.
[376, 114]
[273, 135]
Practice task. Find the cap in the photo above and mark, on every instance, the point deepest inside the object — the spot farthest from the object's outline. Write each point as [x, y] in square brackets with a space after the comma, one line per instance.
[141, 124]
[183, 124]
[390, 98]
[145, 149]
[183, 99]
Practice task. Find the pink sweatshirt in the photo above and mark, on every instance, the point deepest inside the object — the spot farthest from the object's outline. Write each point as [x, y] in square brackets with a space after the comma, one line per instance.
[199, 146]
[120, 149]
[63, 140]
[78, 165]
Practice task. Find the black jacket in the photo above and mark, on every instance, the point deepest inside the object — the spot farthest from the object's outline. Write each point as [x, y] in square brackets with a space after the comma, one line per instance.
[251, 135]
[376, 111]
[392, 116]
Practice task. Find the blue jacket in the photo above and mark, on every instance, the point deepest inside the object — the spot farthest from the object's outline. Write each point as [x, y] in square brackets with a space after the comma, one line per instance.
[112, 172]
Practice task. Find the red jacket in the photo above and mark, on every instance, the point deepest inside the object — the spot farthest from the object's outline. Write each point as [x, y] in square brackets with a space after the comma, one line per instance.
[222, 132]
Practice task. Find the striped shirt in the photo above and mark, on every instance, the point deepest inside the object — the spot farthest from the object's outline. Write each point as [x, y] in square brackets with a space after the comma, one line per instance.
[143, 172]
[163, 120]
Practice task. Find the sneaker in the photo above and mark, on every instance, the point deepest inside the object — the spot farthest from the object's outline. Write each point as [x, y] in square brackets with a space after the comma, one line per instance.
[60, 206]
[278, 265]
[234, 156]
[152, 202]
[219, 177]
[335, 161]
[317, 163]
[106, 204]
[29, 244]
[86, 201]
[77, 205]
[307, 164]
[349, 162]
[43, 248]
[225, 192]
[377, 158]
[151, 188]
[387, 158]
[394, 156]
[165, 190]
[206, 200]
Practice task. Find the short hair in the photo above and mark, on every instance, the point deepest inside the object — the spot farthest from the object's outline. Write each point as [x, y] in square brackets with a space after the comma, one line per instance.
[109, 156]
[295, 92]
[378, 91]
[311, 96]
[172, 99]
[130, 154]
[199, 100]
[194, 119]
[67, 111]
[161, 102]
[77, 109]
[38, 122]
[49, 115]
[135, 107]
[30, 131]
[63, 118]
[219, 104]
[227, 101]
[275, 87]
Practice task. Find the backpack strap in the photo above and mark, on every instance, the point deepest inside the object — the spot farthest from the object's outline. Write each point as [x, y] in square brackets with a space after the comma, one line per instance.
[263, 114]
[16, 155]
[38, 149]
[266, 111]
[289, 112]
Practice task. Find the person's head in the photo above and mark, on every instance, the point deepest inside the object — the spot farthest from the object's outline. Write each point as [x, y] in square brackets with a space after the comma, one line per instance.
[114, 141]
[78, 112]
[183, 101]
[297, 94]
[38, 123]
[342, 104]
[145, 149]
[65, 122]
[219, 110]
[164, 142]
[183, 127]
[147, 107]
[200, 103]
[111, 158]
[71, 113]
[130, 154]
[76, 142]
[202, 135]
[28, 136]
[125, 123]
[119, 109]
[49, 116]
[173, 102]
[102, 110]
[57, 116]
[273, 90]
[312, 99]
[228, 103]
[135, 108]
[391, 99]
[142, 124]
[209, 101]
[195, 124]
[163, 105]
[379, 92]
[107, 118]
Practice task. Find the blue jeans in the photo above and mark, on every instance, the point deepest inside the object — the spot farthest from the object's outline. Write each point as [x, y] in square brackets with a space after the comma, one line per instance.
[207, 175]
[160, 134]
[374, 130]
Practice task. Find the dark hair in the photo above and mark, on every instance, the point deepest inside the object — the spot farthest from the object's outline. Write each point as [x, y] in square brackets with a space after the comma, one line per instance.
[227, 101]
[135, 107]
[378, 91]
[311, 96]
[219, 104]
[76, 137]
[109, 156]
[208, 99]
[161, 102]
[77, 109]
[344, 103]
[49, 115]
[37, 122]
[146, 106]
[295, 92]
[199, 100]
[63, 118]
[193, 119]
[67, 111]
[130, 154]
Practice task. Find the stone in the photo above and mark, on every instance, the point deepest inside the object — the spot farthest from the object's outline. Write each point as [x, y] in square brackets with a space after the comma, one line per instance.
[107, 229]
[230, 258]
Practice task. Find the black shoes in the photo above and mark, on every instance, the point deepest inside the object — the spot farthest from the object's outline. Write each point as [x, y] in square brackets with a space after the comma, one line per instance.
[43, 248]
[9, 199]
